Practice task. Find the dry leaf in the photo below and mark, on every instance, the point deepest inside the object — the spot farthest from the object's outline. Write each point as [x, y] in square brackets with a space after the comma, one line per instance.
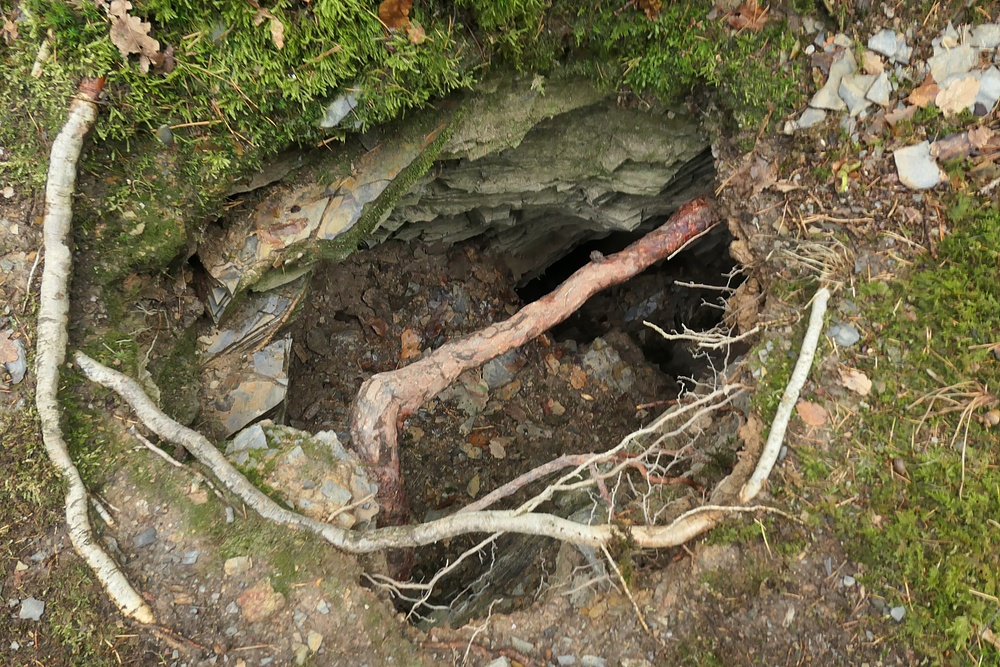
[8, 351]
[856, 381]
[395, 14]
[379, 326]
[811, 413]
[651, 8]
[958, 96]
[577, 378]
[277, 27]
[131, 34]
[748, 16]
[415, 33]
[924, 95]
[473, 488]
[498, 447]
[9, 31]
[410, 340]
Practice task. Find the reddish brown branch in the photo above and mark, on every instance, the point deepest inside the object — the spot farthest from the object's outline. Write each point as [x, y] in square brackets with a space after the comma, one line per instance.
[386, 399]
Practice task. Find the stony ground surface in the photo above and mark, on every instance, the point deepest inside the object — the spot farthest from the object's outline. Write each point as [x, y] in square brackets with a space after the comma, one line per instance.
[229, 589]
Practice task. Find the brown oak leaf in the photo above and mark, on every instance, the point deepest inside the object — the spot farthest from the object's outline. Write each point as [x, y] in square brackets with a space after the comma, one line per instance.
[395, 14]
[811, 413]
[131, 34]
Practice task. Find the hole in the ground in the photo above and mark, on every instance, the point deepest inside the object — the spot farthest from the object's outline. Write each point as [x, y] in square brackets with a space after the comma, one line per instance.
[575, 392]
[654, 296]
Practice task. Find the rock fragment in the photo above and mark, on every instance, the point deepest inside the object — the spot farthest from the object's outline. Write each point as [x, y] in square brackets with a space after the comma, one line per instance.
[916, 168]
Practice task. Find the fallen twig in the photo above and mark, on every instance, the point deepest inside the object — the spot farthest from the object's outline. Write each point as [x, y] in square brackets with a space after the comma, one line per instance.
[53, 313]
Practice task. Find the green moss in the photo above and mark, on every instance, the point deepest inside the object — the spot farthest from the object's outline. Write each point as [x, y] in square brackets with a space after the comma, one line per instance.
[924, 534]
[176, 374]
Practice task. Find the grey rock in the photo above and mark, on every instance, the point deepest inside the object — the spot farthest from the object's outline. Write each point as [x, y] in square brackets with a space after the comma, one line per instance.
[338, 109]
[884, 42]
[842, 40]
[897, 613]
[989, 88]
[811, 117]
[958, 60]
[593, 661]
[985, 36]
[828, 97]
[891, 45]
[250, 438]
[844, 335]
[853, 89]
[230, 515]
[880, 90]
[14, 645]
[264, 662]
[502, 661]
[916, 168]
[849, 581]
[323, 607]
[190, 557]
[232, 608]
[496, 372]
[299, 617]
[145, 538]
[335, 493]
[31, 609]
[565, 660]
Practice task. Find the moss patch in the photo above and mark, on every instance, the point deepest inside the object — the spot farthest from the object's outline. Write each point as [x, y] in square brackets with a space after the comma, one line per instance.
[926, 481]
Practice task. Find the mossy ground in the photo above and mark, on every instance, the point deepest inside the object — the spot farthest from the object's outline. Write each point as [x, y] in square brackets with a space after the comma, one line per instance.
[908, 478]
[235, 98]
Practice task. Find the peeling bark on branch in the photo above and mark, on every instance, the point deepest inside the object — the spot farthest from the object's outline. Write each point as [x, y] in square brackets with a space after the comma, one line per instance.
[53, 312]
[386, 399]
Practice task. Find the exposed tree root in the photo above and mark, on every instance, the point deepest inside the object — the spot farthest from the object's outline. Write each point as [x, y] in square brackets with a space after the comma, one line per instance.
[521, 520]
[776, 436]
[53, 314]
[386, 399]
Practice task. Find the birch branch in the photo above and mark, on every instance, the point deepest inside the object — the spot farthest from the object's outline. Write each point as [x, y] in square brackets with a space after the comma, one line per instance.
[769, 455]
[53, 314]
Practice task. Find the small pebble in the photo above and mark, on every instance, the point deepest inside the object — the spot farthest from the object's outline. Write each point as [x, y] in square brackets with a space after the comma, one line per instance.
[565, 660]
[190, 557]
[230, 515]
[849, 581]
[593, 661]
[897, 613]
[31, 609]
[520, 645]
[145, 538]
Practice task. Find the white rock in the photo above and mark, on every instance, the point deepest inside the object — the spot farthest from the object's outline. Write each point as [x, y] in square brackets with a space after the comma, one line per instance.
[879, 90]
[338, 109]
[853, 89]
[958, 60]
[985, 36]
[916, 168]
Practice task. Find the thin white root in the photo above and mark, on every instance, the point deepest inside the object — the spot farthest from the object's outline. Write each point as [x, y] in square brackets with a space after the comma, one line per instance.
[53, 312]
[769, 456]
[520, 520]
